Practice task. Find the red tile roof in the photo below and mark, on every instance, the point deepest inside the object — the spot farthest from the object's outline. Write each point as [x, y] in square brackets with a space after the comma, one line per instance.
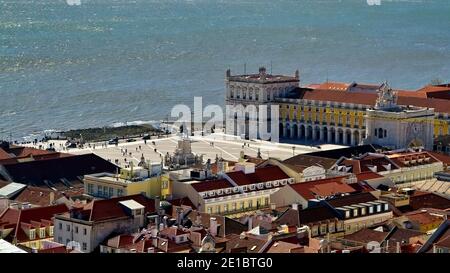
[211, 185]
[322, 187]
[440, 105]
[264, 174]
[27, 216]
[111, 208]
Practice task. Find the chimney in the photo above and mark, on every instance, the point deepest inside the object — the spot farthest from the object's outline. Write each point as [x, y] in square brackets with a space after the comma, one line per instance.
[213, 226]
[157, 204]
[179, 215]
[52, 198]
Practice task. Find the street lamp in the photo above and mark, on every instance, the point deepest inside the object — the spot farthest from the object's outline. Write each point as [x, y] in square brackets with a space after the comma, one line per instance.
[293, 150]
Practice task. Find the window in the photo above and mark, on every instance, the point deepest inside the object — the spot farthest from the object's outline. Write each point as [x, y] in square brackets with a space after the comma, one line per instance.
[68, 227]
[84, 231]
[60, 226]
[242, 205]
[378, 208]
[111, 192]
[225, 208]
[119, 192]
[209, 210]
[84, 246]
[250, 203]
[355, 212]
[386, 207]
[376, 132]
[60, 240]
[266, 201]
[233, 206]
[385, 133]
[99, 190]
[42, 232]
[32, 234]
[370, 210]
[363, 211]
[250, 95]
[256, 95]
[90, 188]
[347, 214]
[50, 231]
[268, 95]
[232, 94]
[76, 230]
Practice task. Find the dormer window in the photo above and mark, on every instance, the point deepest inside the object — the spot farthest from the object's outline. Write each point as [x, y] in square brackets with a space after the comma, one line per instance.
[347, 214]
[252, 187]
[370, 210]
[228, 191]
[275, 183]
[284, 182]
[244, 188]
[355, 212]
[32, 234]
[260, 185]
[235, 189]
[268, 184]
[219, 192]
[211, 193]
[363, 211]
[42, 232]
[386, 207]
[379, 208]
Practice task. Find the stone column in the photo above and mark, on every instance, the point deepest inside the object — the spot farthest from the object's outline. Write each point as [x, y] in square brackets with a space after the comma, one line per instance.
[344, 137]
[353, 139]
[329, 137]
[292, 131]
[322, 137]
[336, 136]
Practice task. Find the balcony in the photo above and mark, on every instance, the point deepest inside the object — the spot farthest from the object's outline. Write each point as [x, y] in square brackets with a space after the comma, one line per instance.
[230, 212]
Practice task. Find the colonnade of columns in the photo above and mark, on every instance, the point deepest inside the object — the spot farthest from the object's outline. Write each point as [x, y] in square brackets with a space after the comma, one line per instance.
[321, 133]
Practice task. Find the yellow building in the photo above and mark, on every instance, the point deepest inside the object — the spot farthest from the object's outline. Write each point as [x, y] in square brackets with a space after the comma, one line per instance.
[128, 182]
[235, 193]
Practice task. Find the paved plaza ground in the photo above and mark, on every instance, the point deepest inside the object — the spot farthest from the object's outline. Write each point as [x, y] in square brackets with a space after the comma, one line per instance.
[225, 146]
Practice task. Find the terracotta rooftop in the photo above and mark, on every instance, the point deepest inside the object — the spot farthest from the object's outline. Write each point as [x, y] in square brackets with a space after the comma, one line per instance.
[369, 99]
[211, 185]
[263, 174]
[100, 210]
[28, 216]
[367, 235]
[322, 187]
